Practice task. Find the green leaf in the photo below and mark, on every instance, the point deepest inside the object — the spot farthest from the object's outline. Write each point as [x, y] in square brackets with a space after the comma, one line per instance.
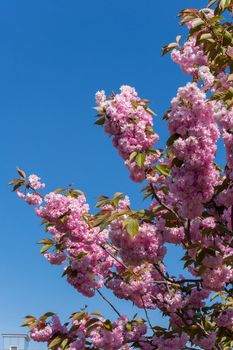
[64, 343]
[187, 263]
[59, 190]
[131, 226]
[74, 328]
[200, 256]
[172, 139]
[28, 320]
[18, 185]
[228, 260]
[163, 169]
[151, 113]
[108, 325]
[128, 327]
[45, 248]
[55, 342]
[211, 2]
[46, 241]
[78, 316]
[96, 313]
[201, 270]
[92, 321]
[168, 47]
[132, 156]
[205, 36]
[47, 315]
[100, 121]
[140, 159]
[223, 4]
[80, 255]
[118, 195]
[32, 325]
[140, 320]
[178, 37]
[21, 173]
[63, 217]
[227, 38]
[177, 162]
[193, 245]
[147, 194]
[197, 22]
[206, 231]
[13, 182]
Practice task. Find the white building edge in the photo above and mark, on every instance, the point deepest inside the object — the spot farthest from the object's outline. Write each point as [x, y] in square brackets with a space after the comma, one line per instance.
[15, 341]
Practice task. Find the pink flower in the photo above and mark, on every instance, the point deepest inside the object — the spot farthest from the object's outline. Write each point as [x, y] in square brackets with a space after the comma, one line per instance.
[225, 319]
[206, 342]
[35, 183]
[30, 198]
[193, 182]
[130, 123]
[55, 258]
[190, 56]
[42, 334]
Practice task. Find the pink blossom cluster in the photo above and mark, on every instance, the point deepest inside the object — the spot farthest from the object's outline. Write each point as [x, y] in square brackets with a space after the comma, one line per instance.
[192, 207]
[206, 76]
[215, 279]
[34, 182]
[137, 284]
[192, 59]
[88, 271]
[56, 258]
[190, 56]
[225, 319]
[173, 235]
[33, 197]
[103, 333]
[206, 342]
[42, 334]
[145, 287]
[30, 198]
[147, 245]
[129, 121]
[175, 342]
[44, 331]
[216, 273]
[89, 263]
[230, 51]
[119, 335]
[191, 118]
[78, 243]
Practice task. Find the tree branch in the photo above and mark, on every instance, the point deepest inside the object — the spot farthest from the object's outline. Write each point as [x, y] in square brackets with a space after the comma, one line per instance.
[109, 303]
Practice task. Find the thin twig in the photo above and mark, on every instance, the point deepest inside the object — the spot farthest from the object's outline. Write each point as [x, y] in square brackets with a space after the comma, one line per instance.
[176, 282]
[165, 206]
[109, 303]
[146, 313]
[120, 262]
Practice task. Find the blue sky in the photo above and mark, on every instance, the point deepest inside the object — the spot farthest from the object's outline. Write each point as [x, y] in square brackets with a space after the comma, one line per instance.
[55, 55]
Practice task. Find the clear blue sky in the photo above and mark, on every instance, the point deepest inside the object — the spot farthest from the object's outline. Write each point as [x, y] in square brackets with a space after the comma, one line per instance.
[55, 55]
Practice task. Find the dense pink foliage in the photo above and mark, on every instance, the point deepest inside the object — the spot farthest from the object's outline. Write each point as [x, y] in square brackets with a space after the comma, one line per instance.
[191, 118]
[125, 250]
[130, 123]
[190, 56]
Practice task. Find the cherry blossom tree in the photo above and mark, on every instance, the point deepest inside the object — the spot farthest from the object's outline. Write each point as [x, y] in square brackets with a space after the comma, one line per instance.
[191, 205]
